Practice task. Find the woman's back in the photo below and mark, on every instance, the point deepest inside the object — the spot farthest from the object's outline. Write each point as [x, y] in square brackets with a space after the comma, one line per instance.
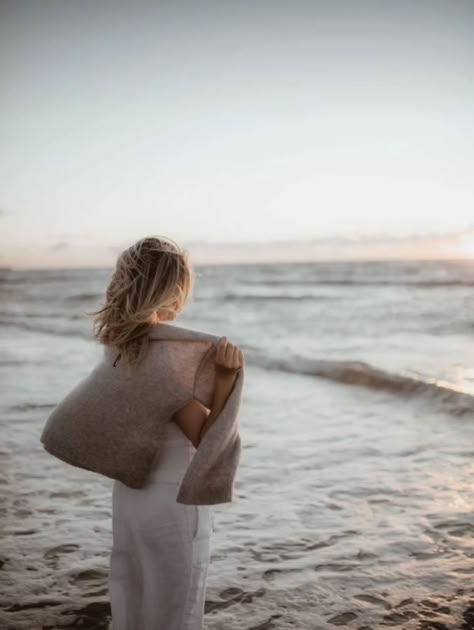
[112, 421]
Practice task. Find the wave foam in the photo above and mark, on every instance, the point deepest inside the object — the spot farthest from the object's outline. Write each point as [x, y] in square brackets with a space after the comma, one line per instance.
[362, 374]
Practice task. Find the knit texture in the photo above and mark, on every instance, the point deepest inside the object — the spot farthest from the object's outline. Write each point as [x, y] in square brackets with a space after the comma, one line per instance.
[112, 421]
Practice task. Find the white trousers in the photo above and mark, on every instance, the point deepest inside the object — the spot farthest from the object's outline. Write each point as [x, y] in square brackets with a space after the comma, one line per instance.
[161, 548]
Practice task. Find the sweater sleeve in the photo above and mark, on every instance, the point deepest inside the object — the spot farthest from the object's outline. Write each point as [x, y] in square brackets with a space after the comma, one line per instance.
[204, 379]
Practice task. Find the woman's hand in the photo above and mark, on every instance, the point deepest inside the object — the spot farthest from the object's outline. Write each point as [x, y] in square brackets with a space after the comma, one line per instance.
[229, 358]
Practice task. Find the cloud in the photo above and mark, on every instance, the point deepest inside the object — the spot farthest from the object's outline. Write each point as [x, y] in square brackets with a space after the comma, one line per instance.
[353, 239]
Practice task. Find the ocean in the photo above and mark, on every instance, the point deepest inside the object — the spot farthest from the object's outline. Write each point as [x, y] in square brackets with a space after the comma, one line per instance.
[354, 498]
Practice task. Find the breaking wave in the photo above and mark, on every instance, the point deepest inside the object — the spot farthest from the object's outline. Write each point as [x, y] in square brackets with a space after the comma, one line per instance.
[362, 374]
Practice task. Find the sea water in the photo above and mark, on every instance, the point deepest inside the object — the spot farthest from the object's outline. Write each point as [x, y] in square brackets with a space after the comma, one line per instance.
[353, 502]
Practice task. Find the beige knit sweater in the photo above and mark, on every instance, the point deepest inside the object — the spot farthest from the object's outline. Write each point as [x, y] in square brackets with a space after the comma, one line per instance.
[112, 421]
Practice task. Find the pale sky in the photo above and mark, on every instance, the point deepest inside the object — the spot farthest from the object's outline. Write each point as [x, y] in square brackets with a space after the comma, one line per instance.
[243, 130]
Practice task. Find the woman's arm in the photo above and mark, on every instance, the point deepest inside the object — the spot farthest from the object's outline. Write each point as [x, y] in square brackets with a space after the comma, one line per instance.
[195, 418]
[190, 419]
[223, 388]
[229, 360]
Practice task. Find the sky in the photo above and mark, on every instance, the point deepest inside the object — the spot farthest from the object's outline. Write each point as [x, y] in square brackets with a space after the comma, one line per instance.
[245, 131]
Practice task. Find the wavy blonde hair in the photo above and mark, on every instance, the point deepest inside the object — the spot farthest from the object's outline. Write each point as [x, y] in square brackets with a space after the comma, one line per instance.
[151, 275]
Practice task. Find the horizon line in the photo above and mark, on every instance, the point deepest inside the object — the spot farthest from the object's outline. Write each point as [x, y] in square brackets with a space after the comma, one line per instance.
[265, 262]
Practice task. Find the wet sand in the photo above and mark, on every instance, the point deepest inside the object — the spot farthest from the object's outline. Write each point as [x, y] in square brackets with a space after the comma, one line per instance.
[49, 581]
[294, 550]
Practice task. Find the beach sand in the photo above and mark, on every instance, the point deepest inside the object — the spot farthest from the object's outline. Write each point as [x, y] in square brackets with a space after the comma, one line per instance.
[327, 570]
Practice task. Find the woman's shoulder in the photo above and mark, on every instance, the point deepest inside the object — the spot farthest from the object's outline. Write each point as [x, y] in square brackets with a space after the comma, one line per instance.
[166, 330]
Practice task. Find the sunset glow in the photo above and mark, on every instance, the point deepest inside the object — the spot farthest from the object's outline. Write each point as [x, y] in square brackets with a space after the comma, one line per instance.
[466, 245]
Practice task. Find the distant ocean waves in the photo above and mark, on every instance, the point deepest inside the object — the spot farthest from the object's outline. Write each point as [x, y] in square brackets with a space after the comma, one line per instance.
[49, 325]
[347, 372]
[364, 282]
[362, 374]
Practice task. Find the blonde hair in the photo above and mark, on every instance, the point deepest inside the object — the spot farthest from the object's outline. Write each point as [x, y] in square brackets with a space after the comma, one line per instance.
[152, 274]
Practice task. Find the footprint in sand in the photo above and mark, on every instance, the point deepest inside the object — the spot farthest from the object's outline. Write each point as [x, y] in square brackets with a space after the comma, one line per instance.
[342, 619]
[371, 599]
[269, 574]
[94, 576]
[266, 625]
[231, 596]
[53, 555]
[56, 551]
[23, 532]
[396, 619]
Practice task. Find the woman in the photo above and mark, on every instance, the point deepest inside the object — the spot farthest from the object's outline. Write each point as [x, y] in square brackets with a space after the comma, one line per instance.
[161, 548]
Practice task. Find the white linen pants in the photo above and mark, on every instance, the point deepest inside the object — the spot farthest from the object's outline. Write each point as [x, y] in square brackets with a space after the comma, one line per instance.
[161, 548]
